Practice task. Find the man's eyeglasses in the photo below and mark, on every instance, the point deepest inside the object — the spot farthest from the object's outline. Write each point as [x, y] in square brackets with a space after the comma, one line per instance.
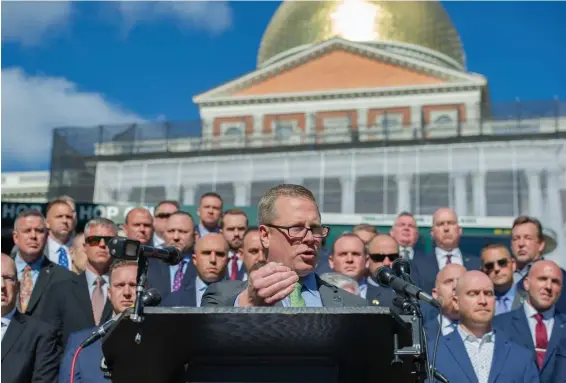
[489, 266]
[94, 240]
[378, 257]
[301, 231]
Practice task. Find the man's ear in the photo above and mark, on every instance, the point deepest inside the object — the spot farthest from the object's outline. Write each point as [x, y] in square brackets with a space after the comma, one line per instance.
[264, 236]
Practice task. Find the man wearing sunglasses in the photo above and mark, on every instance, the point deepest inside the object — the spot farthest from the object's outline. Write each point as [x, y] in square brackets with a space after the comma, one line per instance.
[162, 212]
[383, 250]
[291, 235]
[82, 302]
[499, 266]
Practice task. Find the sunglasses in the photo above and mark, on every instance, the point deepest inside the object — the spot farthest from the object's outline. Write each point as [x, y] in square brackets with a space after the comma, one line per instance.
[491, 265]
[378, 257]
[94, 240]
[163, 215]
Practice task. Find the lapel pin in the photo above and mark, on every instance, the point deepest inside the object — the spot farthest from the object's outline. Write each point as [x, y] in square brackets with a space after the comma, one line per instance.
[375, 302]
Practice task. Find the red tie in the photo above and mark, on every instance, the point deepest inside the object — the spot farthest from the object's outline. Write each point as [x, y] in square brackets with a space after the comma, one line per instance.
[541, 339]
[234, 270]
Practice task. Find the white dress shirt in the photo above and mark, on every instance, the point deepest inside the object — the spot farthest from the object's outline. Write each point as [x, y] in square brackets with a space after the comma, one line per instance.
[6, 322]
[480, 352]
[448, 326]
[441, 257]
[53, 251]
[547, 319]
[408, 250]
[91, 282]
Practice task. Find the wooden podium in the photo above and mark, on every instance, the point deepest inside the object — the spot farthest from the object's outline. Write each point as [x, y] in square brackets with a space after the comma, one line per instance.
[291, 345]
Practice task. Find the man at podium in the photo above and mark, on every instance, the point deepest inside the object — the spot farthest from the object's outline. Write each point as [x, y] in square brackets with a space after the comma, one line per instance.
[291, 236]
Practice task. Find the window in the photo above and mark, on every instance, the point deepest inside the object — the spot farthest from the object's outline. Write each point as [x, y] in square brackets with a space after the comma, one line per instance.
[284, 130]
[443, 120]
[233, 132]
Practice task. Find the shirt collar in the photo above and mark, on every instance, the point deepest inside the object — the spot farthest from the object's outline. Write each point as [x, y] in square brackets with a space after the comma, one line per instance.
[91, 277]
[309, 282]
[200, 284]
[530, 311]
[21, 264]
[53, 244]
[441, 252]
[470, 338]
[8, 317]
[509, 293]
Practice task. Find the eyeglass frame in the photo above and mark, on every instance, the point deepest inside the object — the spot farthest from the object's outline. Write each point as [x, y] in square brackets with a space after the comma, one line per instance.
[287, 229]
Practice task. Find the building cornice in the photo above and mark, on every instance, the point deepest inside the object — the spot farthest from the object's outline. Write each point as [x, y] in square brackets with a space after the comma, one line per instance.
[225, 91]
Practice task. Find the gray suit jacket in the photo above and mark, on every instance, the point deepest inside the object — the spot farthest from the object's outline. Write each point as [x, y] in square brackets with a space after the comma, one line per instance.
[224, 294]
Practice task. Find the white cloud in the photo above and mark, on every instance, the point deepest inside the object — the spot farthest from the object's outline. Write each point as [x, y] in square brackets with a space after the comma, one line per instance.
[212, 16]
[33, 105]
[28, 22]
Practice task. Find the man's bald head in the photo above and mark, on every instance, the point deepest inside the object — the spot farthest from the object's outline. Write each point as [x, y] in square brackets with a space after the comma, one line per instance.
[8, 262]
[383, 250]
[445, 229]
[469, 279]
[543, 284]
[211, 257]
[381, 241]
[215, 238]
[474, 300]
[452, 271]
[444, 288]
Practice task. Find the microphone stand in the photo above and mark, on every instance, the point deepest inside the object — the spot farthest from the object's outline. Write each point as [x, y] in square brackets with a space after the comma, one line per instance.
[137, 315]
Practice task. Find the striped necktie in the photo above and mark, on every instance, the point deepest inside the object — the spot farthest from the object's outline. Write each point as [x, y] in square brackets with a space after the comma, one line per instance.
[296, 298]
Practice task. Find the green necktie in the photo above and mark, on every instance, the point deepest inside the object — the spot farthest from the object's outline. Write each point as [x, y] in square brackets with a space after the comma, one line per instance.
[296, 298]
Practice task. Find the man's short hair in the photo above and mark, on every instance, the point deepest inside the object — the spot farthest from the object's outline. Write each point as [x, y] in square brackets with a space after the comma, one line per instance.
[266, 208]
[56, 202]
[184, 213]
[211, 194]
[139, 208]
[347, 235]
[339, 280]
[405, 214]
[105, 222]
[28, 213]
[120, 263]
[523, 219]
[248, 231]
[167, 202]
[233, 211]
[365, 227]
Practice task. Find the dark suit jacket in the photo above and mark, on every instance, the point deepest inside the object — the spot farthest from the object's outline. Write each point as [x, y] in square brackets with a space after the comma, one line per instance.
[49, 274]
[559, 367]
[159, 276]
[69, 307]
[510, 363]
[560, 305]
[31, 351]
[87, 366]
[515, 325]
[379, 296]
[225, 293]
[425, 268]
[185, 297]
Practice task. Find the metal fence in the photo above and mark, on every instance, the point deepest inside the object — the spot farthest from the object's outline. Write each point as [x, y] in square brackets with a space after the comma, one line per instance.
[78, 151]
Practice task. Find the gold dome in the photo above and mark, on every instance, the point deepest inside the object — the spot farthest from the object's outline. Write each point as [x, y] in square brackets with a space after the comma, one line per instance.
[422, 23]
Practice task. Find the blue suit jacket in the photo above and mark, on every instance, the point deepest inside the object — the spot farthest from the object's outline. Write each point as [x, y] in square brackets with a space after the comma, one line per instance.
[515, 325]
[560, 361]
[425, 268]
[511, 362]
[87, 367]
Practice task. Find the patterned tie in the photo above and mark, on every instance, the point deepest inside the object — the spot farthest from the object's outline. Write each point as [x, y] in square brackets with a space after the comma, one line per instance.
[541, 339]
[234, 269]
[98, 300]
[405, 253]
[296, 298]
[178, 276]
[26, 287]
[63, 259]
[448, 259]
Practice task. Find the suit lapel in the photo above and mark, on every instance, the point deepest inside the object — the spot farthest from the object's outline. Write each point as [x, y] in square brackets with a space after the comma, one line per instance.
[518, 300]
[500, 353]
[557, 334]
[456, 346]
[82, 294]
[13, 332]
[522, 328]
[45, 275]
[328, 294]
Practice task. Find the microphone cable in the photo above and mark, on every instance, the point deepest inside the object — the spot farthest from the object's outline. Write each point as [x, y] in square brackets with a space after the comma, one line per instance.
[74, 363]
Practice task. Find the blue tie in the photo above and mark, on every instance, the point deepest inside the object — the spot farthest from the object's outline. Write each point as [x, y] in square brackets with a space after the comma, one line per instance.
[63, 259]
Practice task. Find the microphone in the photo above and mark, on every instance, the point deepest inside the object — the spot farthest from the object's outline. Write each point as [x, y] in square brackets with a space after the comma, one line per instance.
[131, 249]
[387, 278]
[150, 298]
[401, 266]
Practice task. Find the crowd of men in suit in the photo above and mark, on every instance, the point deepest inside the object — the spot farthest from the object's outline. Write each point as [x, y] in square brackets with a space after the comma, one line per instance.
[502, 312]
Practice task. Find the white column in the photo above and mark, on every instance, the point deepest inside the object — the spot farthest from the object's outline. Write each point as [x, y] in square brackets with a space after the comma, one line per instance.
[472, 124]
[535, 193]
[124, 194]
[555, 220]
[189, 192]
[362, 118]
[460, 194]
[404, 192]
[480, 208]
[348, 203]
[416, 120]
[243, 194]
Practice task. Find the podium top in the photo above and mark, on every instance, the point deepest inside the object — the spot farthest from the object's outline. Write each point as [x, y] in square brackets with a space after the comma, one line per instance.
[172, 337]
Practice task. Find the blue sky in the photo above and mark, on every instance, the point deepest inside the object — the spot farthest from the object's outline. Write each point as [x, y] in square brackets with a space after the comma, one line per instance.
[89, 63]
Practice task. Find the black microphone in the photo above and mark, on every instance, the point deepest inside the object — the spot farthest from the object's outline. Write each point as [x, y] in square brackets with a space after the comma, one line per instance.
[401, 266]
[387, 278]
[151, 297]
[131, 249]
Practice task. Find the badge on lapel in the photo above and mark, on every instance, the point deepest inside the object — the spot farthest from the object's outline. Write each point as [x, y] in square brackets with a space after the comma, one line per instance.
[375, 302]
